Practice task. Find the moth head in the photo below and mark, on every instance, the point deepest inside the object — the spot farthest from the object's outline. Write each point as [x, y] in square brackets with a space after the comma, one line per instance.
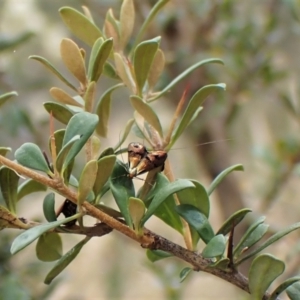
[136, 151]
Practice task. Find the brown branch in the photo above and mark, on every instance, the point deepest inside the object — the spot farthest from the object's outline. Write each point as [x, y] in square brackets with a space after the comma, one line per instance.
[149, 240]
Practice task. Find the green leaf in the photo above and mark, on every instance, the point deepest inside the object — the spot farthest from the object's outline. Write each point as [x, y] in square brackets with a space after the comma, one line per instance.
[125, 133]
[263, 271]
[196, 196]
[184, 273]
[156, 69]
[103, 110]
[73, 60]
[29, 155]
[59, 111]
[283, 286]
[105, 168]
[163, 194]
[143, 57]
[194, 104]
[80, 25]
[197, 220]
[9, 186]
[233, 221]
[123, 71]
[243, 241]
[222, 175]
[100, 53]
[29, 186]
[122, 189]
[275, 237]
[136, 209]
[185, 74]
[255, 236]
[30, 235]
[146, 111]
[63, 97]
[65, 261]
[294, 291]
[155, 255]
[215, 247]
[166, 210]
[49, 247]
[127, 16]
[59, 137]
[110, 71]
[48, 207]
[82, 124]
[50, 67]
[7, 96]
[221, 264]
[63, 153]
[87, 180]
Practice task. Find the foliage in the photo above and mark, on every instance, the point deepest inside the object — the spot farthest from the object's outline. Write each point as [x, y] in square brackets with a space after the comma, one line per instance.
[182, 204]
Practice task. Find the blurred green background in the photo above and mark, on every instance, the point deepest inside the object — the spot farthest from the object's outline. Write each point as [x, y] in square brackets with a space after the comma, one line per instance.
[255, 123]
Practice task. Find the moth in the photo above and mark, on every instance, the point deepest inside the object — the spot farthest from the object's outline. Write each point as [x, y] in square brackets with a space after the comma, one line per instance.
[140, 160]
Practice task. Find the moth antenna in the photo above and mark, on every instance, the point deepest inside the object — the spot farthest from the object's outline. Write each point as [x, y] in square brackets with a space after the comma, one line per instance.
[203, 144]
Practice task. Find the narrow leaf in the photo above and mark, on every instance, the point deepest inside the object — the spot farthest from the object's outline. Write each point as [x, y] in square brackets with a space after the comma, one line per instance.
[146, 111]
[222, 175]
[82, 124]
[124, 72]
[166, 211]
[294, 291]
[30, 235]
[233, 221]
[103, 110]
[49, 247]
[98, 58]
[29, 186]
[7, 96]
[48, 208]
[185, 74]
[197, 220]
[65, 261]
[80, 25]
[63, 97]
[4, 150]
[156, 69]
[184, 273]
[50, 67]
[64, 152]
[89, 96]
[143, 57]
[242, 243]
[87, 180]
[136, 209]
[163, 194]
[283, 286]
[125, 133]
[275, 237]
[105, 168]
[122, 189]
[29, 155]
[263, 271]
[127, 16]
[9, 185]
[215, 247]
[59, 112]
[194, 104]
[73, 60]
[196, 196]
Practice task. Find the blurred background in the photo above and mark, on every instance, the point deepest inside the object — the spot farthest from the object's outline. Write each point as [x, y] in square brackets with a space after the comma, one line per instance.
[255, 123]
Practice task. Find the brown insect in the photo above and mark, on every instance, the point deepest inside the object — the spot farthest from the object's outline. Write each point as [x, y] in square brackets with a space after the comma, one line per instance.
[141, 161]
